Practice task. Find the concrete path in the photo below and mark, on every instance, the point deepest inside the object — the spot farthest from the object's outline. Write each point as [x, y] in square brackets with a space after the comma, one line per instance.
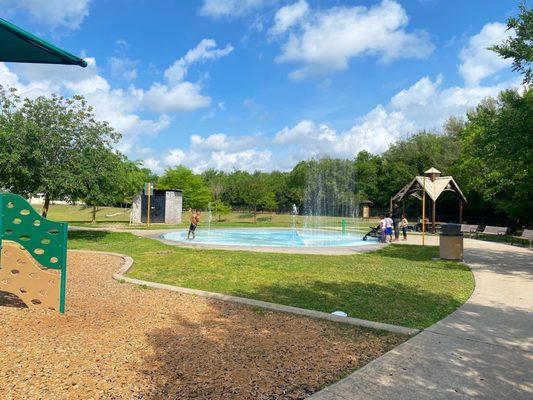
[484, 350]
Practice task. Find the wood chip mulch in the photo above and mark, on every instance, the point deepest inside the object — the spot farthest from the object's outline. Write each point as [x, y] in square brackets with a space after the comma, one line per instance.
[120, 341]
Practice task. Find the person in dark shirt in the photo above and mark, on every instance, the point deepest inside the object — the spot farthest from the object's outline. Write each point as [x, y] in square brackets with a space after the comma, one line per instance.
[396, 219]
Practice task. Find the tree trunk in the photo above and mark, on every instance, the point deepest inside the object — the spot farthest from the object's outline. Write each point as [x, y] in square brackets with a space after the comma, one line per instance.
[255, 214]
[94, 215]
[46, 205]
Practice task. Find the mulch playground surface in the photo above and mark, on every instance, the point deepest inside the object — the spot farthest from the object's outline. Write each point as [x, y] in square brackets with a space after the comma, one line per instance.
[120, 341]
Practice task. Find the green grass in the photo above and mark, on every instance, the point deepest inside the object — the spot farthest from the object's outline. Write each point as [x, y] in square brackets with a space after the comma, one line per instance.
[78, 214]
[398, 284]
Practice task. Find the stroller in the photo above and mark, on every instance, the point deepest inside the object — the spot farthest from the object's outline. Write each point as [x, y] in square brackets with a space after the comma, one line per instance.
[374, 232]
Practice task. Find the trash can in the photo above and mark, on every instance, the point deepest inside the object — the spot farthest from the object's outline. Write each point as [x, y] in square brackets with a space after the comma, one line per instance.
[451, 242]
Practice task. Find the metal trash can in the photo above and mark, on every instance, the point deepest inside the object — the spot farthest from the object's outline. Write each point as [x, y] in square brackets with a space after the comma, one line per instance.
[451, 242]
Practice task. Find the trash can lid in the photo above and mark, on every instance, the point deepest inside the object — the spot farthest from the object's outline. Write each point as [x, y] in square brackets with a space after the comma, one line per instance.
[451, 229]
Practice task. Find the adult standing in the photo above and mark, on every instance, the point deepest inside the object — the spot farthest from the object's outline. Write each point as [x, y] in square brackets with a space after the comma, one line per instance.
[195, 219]
[396, 220]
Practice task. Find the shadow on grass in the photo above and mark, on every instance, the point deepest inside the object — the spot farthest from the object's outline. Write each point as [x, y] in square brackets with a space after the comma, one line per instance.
[89, 236]
[394, 303]
[409, 252]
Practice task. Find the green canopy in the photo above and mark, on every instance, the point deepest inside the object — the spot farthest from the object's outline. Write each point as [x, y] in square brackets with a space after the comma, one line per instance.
[17, 45]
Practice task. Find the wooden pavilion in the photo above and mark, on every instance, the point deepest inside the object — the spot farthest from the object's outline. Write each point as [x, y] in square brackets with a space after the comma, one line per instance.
[434, 185]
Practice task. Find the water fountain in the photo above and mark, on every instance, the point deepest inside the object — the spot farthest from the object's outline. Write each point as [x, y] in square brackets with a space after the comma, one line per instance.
[329, 198]
[209, 218]
[329, 209]
[294, 214]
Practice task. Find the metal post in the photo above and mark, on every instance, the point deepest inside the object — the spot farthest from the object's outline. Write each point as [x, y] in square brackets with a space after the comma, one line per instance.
[63, 282]
[424, 212]
[148, 210]
[1, 220]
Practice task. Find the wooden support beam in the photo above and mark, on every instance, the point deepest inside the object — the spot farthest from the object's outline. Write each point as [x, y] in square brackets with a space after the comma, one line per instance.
[433, 212]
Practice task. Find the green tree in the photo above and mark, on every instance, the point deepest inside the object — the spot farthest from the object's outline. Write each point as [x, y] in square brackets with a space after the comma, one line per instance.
[367, 175]
[132, 178]
[407, 158]
[257, 193]
[101, 172]
[215, 180]
[497, 153]
[234, 188]
[42, 142]
[196, 194]
[220, 208]
[519, 47]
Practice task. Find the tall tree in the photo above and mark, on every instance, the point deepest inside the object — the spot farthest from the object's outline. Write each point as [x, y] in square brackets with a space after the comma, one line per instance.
[42, 140]
[102, 177]
[258, 193]
[519, 47]
[497, 153]
[196, 194]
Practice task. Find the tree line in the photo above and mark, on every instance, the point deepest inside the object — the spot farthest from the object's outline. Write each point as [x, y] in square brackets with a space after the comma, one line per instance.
[489, 154]
[54, 146]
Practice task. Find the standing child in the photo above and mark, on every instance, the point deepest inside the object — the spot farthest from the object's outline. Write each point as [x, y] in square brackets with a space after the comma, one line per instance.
[382, 229]
[404, 226]
[388, 227]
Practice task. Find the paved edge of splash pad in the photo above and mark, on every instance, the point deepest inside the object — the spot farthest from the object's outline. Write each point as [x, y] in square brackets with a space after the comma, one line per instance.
[128, 263]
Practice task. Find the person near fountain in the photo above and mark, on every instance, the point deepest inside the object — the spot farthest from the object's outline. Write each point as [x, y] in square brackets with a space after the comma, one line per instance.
[388, 227]
[404, 225]
[383, 229]
[195, 219]
[396, 219]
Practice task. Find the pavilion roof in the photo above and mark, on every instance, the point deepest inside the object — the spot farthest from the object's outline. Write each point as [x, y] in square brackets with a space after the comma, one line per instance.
[433, 188]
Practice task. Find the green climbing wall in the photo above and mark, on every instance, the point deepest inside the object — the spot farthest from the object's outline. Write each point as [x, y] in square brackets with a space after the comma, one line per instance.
[45, 240]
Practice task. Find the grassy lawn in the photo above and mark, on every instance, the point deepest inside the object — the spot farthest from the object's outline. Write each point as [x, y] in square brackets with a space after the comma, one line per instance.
[397, 284]
[78, 214]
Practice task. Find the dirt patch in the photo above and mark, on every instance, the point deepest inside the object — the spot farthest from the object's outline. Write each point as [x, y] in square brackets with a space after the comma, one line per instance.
[119, 341]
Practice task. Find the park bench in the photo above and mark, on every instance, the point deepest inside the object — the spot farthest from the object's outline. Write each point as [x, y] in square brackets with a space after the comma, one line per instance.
[527, 235]
[470, 229]
[495, 230]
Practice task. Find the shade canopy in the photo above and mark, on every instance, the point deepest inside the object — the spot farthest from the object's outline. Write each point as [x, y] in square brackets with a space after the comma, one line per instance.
[17, 45]
[434, 188]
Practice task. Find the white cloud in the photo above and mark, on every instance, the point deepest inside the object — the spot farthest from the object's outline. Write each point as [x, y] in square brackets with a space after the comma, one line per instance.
[218, 151]
[424, 105]
[52, 13]
[123, 108]
[231, 8]
[478, 62]
[123, 68]
[325, 40]
[120, 107]
[177, 95]
[205, 50]
[288, 16]
[183, 96]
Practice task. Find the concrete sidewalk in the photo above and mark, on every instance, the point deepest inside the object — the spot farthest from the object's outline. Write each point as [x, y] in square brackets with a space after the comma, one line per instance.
[484, 350]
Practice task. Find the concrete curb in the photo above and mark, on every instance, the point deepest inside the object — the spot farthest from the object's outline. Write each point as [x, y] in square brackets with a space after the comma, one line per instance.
[128, 263]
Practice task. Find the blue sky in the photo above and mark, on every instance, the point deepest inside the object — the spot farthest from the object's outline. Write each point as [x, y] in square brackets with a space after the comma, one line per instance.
[262, 84]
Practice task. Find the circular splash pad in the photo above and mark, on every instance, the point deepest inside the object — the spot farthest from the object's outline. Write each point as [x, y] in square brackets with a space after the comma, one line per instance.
[256, 237]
